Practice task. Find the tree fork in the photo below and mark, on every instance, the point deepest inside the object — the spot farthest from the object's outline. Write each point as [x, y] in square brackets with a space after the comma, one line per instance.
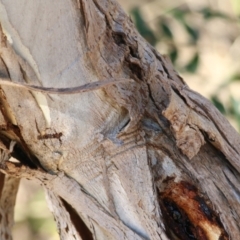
[142, 159]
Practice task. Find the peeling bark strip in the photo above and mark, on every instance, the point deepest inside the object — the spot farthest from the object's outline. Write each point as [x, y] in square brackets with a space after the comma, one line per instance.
[104, 156]
[187, 214]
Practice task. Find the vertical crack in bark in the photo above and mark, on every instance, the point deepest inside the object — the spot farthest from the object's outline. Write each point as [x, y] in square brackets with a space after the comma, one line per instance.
[6, 68]
[79, 224]
[2, 179]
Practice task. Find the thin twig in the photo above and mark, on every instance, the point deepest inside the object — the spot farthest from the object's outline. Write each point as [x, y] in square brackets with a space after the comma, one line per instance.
[72, 90]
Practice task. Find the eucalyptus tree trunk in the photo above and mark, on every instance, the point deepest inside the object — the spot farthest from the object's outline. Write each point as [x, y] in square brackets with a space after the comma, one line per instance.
[129, 151]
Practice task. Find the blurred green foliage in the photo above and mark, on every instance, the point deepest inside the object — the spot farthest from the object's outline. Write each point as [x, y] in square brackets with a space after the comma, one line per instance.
[231, 108]
[163, 33]
[143, 27]
[34, 221]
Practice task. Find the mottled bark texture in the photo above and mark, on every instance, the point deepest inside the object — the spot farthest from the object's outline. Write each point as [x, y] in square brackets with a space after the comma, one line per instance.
[145, 158]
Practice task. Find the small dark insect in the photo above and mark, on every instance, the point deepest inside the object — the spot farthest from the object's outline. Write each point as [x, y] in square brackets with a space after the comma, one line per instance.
[50, 135]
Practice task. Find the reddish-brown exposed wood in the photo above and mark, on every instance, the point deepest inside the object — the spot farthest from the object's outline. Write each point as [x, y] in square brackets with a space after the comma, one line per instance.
[188, 215]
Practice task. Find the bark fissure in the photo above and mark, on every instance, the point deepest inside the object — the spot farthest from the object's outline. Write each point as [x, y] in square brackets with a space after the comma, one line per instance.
[79, 224]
